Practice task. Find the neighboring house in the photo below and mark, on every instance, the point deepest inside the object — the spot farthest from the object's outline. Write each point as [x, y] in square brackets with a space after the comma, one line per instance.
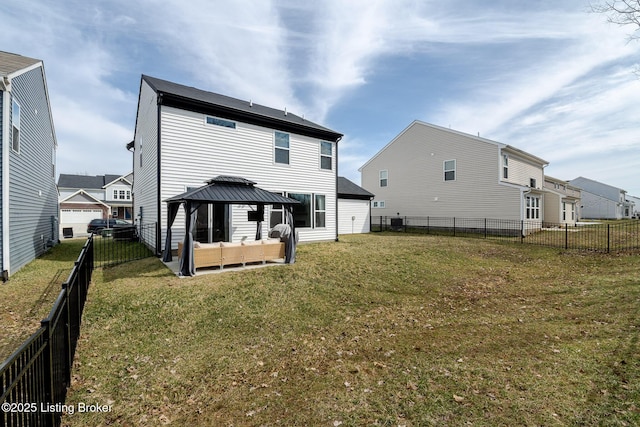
[602, 201]
[432, 171]
[354, 207]
[186, 136]
[28, 195]
[636, 206]
[561, 202]
[84, 197]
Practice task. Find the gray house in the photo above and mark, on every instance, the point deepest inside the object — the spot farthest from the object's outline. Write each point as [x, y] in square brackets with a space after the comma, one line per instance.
[28, 194]
[602, 201]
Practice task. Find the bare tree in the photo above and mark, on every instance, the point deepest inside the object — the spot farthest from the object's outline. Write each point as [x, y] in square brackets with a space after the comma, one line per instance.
[621, 12]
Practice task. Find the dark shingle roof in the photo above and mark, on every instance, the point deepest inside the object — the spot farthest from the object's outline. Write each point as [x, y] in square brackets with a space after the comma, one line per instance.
[349, 190]
[85, 181]
[193, 99]
[10, 63]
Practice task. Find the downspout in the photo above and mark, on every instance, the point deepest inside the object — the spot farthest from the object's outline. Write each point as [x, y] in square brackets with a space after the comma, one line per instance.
[336, 200]
[5, 85]
[158, 180]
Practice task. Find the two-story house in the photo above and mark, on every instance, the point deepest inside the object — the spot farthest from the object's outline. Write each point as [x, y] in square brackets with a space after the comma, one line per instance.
[28, 195]
[428, 170]
[186, 136]
[602, 201]
[561, 202]
[85, 197]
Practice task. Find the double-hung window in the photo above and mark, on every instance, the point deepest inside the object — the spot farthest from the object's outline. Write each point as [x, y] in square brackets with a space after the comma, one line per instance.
[321, 211]
[281, 146]
[505, 166]
[384, 178]
[15, 124]
[450, 170]
[326, 154]
[533, 207]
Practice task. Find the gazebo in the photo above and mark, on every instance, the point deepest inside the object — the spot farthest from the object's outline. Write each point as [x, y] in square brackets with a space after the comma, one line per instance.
[228, 190]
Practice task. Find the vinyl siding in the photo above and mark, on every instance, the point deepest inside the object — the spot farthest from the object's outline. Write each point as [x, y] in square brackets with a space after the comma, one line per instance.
[416, 185]
[347, 210]
[145, 185]
[521, 171]
[194, 152]
[33, 198]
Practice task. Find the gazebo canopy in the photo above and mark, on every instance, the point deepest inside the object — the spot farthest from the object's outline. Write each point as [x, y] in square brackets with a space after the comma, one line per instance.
[232, 190]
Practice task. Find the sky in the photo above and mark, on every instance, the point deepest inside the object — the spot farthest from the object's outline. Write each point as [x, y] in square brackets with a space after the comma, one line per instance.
[549, 77]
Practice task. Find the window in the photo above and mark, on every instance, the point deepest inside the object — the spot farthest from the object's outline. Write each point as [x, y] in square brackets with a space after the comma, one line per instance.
[321, 211]
[326, 150]
[281, 148]
[505, 166]
[384, 178]
[221, 122]
[533, 207]
[564, 211]
[121, 193]
[378, 204]
[128, 194]
[276, 216]
[115, 194]
[15, 123]
[450, 170]
[302, 211]
[532, 182]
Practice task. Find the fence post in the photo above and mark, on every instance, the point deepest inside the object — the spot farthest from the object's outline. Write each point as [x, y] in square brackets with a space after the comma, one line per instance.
[485, 228]
[405, 223]
[454, 226]
[428, 230]
[608, 238]
[48, 371]
[521, 231]
[566, 235]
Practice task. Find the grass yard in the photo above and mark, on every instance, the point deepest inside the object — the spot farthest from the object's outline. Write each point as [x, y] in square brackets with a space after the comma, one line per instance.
[29, 294]
[376, 329]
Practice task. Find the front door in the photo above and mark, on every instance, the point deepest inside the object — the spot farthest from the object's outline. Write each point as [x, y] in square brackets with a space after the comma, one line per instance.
[212, 223]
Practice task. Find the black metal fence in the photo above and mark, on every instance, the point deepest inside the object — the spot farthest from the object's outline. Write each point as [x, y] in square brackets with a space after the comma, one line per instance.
[122, 244]
[617, 236]
[35, 378]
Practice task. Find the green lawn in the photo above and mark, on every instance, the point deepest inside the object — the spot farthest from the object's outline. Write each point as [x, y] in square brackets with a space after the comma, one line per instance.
[29, 294]
[376, 329]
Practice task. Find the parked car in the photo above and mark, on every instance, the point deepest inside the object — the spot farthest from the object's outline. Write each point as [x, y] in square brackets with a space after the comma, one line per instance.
[97, 225]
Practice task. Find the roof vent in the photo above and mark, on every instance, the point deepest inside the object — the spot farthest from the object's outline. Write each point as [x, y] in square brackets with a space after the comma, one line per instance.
[285, 111]
[250, 103]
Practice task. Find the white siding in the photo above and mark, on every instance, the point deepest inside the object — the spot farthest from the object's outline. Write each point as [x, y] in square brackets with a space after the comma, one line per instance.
[353, 216]
[145, 186]
[193, 152]
[416, 186]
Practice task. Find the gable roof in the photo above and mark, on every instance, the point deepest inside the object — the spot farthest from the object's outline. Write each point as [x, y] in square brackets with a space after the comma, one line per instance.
[598, 188]
[509, 148]
[86, 181]
[82, 196]
[349, 190]
[11, 63]
[197, 100]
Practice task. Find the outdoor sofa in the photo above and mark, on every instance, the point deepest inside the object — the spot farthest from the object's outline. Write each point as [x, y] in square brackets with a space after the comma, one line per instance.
[219, 254]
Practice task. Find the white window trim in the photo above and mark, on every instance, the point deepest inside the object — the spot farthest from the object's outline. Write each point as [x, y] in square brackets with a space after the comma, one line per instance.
[330, 156]
[378, 204]
[380, 178]
[316, 211]
[13, 125]
[275, 148]
[445, 170]
[505, 166]
[231, 128]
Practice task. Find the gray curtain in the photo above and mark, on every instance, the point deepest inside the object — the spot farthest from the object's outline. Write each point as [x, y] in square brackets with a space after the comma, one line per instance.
[259, 231]
[187, 267]
[290, 244]
[172, 209]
